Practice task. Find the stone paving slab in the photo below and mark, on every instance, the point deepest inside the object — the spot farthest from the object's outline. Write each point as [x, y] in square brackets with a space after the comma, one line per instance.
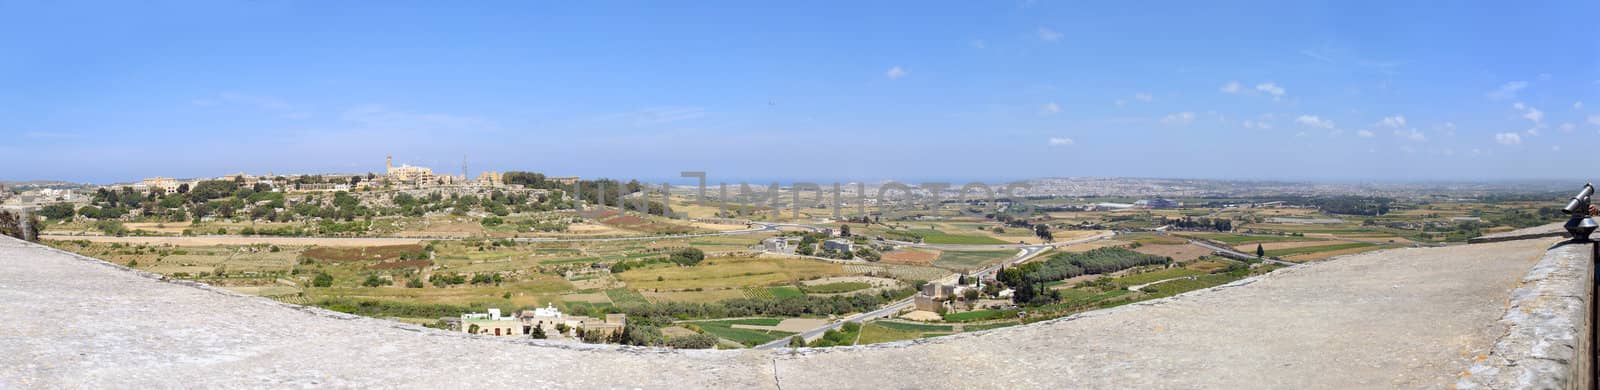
[1398, 318]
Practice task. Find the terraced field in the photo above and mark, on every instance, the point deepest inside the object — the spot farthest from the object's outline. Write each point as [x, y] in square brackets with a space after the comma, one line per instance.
[970, 260]
[747, 337]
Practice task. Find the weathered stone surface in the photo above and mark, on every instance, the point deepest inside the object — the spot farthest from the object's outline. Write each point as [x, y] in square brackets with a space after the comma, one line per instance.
[1398, 318]
[1551, 230]
[1546, 341]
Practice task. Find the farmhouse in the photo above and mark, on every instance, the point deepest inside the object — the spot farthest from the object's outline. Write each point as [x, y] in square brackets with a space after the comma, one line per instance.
[489, 323]
[548, 319]
[778, 244]
[839, 244]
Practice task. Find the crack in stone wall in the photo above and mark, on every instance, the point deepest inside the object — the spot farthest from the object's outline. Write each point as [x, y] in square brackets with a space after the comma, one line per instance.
[1547, 343]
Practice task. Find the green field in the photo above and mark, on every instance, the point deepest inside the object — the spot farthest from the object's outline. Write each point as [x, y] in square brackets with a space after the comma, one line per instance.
[915, 327]
[621, 296]
[873, 333]
[970, 259]
[979, 315]
[1153, 276]
[785, 292]
[1167, 289]
[748, 337]
[1315, 249]
[975, 328]
[835, 288]
[1236, 239]
[930, 236]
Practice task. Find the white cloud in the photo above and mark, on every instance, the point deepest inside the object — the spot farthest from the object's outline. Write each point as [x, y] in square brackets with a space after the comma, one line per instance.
[1594, 120]
[1568, 127]
[1121, 103]
[1544, 77]
[895, 73]
[1049, 35]
[1411, 134]
[1393, 122]
[1534, 115]
[1249, 124]
[1555, 148]
[1578, 105]
[1181, 118]
[979, 44]
[1060, 141]
[1050, 109]
[1271, 89]
[1507, 91]
[1448, 128]
[1144, 97]
[1508, 138]
[1231, 87]
[1314, 121]
[1364, 133]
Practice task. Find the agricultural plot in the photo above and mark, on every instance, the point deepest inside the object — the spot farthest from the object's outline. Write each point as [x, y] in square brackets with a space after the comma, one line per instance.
[979, 315]
[1285, 252]
[728, 273]
[993, 325]
[907, 326]
[746, 337]
[623, 296]
[1180, 253]
[911, 256]
[970, 260]
[785, 292]
[1240, 239]
[701, 296]
[873, 333]
[1153, 276]
[835, 288]
[937, 237]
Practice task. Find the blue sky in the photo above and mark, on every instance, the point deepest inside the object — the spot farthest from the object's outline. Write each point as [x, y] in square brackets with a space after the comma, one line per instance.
[1344, 90]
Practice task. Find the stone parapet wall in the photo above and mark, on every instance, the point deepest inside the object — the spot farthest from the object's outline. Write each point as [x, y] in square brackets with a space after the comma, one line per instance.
[1548, 322]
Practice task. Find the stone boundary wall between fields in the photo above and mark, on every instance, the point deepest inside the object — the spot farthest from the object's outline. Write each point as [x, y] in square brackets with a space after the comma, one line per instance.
[1548, 342]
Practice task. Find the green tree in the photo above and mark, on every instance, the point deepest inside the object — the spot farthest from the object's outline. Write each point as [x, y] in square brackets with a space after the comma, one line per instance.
[374, 281]
[688, 256]
[323, 279]
[1260, 251]
[57, 211]
[796, 342]
[538, 332]
[844, 230]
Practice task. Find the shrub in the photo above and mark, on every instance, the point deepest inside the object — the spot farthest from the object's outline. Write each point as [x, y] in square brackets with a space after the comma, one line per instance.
[322, 279]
